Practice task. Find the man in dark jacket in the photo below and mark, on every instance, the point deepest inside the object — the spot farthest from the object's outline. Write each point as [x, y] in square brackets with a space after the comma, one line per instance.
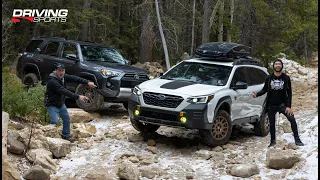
[55, 97]
[279, 96]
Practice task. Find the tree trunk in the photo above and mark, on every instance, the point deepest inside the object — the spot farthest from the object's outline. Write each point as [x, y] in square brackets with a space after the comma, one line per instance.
[164, 44]
[231, 20]
[193, 22]
[214, 12]
[85, 26]
[220, 28]
[207, 7]
[147, 33]
[305, 46]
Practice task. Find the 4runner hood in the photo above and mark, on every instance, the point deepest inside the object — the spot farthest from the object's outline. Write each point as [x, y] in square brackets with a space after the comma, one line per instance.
[124, 68]
[176, 87]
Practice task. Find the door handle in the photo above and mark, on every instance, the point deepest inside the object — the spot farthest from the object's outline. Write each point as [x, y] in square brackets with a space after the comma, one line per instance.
[39, 60]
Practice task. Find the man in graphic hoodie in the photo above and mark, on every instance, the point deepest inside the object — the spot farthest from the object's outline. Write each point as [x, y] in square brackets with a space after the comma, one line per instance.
[56, 93]
[279, 96]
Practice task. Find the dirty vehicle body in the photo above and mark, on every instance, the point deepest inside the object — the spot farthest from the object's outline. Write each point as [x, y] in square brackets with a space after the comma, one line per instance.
[103, 65]
[210, 92]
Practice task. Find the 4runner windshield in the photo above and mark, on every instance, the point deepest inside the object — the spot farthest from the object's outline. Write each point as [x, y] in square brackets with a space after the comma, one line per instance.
[102, 54]
[202, 73]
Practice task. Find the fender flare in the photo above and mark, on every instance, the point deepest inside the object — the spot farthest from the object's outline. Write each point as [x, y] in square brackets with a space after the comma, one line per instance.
[225, 99]
[91, 76]
[32, 66]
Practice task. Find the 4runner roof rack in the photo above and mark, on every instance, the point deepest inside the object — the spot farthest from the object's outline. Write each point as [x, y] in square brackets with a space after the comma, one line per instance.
[49, 37]
[224, 50]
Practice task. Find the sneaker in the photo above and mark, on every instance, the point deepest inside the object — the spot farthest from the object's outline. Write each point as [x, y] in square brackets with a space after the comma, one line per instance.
[68, 138]
[298, 141]
[272, 143]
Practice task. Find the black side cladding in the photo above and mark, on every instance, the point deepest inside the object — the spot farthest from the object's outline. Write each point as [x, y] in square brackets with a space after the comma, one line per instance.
[176, 84]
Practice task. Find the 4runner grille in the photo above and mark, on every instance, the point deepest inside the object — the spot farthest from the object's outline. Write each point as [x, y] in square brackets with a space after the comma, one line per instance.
[162, 100]
[130, 80]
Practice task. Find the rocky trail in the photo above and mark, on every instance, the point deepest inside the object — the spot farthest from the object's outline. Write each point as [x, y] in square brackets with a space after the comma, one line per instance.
[110, 148]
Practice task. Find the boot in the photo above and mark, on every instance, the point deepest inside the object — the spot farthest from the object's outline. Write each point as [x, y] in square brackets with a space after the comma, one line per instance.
[272, 143]
[298, 141]
[68, 138]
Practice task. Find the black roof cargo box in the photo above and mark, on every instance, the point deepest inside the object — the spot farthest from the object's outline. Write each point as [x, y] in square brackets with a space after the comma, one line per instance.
[221, 50]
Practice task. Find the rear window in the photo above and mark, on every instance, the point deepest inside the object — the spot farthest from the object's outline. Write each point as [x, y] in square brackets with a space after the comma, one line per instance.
[33, 45]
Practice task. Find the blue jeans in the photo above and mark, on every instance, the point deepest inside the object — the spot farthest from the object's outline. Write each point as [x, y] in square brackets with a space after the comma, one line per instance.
[63, 112]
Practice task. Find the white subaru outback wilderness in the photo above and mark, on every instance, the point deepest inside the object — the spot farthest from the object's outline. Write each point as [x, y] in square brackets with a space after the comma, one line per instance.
[210, 92]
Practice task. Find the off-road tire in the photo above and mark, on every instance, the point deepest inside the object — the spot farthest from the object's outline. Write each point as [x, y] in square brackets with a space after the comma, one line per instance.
[144, 127]
[30, 80]
[220, 132]
[262, 127]
[96, 99]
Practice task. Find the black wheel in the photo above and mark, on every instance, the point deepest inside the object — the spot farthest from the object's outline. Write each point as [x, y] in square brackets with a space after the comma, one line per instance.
[220, 132]
[262, 127]
[95, 98]
[144, 127]
[30, 80]
[125, 105]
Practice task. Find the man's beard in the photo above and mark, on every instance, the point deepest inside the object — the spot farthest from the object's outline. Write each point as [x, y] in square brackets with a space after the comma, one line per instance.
[275, 69]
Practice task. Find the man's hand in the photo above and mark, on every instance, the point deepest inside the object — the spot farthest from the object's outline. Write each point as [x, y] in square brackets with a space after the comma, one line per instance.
[91, 84]
[83, 98]
[254, 95]
[289, 111]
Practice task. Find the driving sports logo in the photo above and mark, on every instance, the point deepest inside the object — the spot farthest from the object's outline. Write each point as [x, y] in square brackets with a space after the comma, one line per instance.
[35, 15]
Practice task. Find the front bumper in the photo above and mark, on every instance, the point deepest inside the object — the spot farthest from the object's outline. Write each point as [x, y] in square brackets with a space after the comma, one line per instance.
[196, 115]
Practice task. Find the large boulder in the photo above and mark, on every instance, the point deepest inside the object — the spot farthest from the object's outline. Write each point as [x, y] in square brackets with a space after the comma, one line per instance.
[59, 147]
[151, 171]
[127, 171]
[89, 127]
[244, 170]
[52, 131]
[37, 173]
[100, 174]
[79, 115]
[281, 159]
[14, 145]
[43, 158]
[9, 171]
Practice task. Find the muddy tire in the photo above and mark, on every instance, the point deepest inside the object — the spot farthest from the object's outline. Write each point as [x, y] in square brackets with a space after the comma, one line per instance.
[30, 80]
[95, 101]
[220, 132]
[262, 127]
[144, 127]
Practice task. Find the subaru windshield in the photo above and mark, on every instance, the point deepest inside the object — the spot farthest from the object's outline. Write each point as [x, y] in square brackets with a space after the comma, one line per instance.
[101, 54]
[202, 73]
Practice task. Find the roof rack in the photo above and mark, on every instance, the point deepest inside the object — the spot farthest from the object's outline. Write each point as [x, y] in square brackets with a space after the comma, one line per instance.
[246, 61]
[49, 37]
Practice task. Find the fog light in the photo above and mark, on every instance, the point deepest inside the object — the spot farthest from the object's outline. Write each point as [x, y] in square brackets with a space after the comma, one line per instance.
[136, 112]
[108, 84]
[183, 119]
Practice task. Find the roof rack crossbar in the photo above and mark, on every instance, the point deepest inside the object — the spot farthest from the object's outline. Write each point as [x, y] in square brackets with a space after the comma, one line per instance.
[50, 37]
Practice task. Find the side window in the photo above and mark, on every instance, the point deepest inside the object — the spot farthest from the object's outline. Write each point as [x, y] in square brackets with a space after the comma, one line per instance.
[69, 49]
[33, 45]
[256, 76]
[51, 49]
[239, 75]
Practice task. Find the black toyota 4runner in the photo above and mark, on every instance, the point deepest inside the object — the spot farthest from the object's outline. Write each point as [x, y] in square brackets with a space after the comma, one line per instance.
[101, 64]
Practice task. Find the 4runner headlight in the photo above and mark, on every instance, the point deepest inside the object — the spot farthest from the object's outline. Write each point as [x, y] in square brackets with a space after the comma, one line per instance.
[150, 76]
[200, 99]
[110, 72]
[136, 91]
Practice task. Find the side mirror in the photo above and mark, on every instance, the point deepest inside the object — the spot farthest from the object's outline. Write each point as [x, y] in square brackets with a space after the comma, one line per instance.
[72, 57]
[240, 85]
[127, 62]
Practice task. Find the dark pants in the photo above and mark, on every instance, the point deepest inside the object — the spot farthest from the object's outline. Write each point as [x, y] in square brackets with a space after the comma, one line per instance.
[272, 110]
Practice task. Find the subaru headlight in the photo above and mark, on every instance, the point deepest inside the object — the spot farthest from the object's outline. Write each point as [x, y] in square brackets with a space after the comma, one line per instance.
[200, 99]
[110, 72]
[137, 91]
